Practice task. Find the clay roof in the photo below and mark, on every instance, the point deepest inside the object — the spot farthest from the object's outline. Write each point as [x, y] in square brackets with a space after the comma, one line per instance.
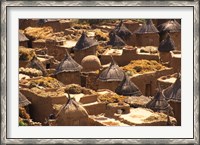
[72, 110]
[115, 40]
[23, 101]
[127, 88]
[159, 104]
[166, 45]
[22, 37]
[68, 64]
[173, 92]
[170, 26]
[90, 63]
[85, 42]
[37, 64]
[147, 27]
[122, 31]
[112, 73]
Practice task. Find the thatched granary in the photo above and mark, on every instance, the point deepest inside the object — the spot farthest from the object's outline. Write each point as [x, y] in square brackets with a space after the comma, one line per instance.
[160, 104]
[147, 34]
[110, 77]
[72, 114]
[165, 47]
[23, 40]
[173, 95]
[91, 63]
[124, 33]
[23, 101]
[127, 88]
[85, 46]
[116, 41]
[68, 71]
[37, 64]
[174, 28]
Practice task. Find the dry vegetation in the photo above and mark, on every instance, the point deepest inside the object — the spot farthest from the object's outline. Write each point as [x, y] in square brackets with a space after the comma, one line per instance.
[111, 98]
[26, 54]
[142, 66]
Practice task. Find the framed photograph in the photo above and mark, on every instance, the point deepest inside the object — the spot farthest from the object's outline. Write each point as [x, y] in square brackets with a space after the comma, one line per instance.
[100, 72]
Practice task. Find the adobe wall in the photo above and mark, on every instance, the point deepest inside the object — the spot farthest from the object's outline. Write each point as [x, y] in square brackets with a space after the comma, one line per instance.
[55, 25]
[108, 85]
[23, 43]
[147, 83]
[95, 108]
[91, 81]
[41, 107]
[150, 39]
[56, 51]
[79, 55]
[175, 63]
[69, 78]
[165, 56]
[177, 111]
[23, 63]
[176, 36]
[38, 44]
[131, 41]
[24, 23]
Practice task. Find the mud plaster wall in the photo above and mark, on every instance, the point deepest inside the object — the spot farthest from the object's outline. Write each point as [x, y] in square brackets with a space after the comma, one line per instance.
[56, 51]
[175, 63]
[24, 23]
[91, 81]
[69, 77]
[126, 57]
[165, 56]
[151, 39]
[95, 109]
[55, 25]
[131, 40]
[147, 83]
[37, 44]
[176, 36]
[82, 121]
[177, 111]
[111, 110]
[23, 63]
[23, 43]
[108, 85]
[79, 55]
[132, 26]
[41, 107]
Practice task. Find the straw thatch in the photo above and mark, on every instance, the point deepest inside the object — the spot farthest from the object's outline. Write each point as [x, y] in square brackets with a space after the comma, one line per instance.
[128, 88]
[112, 73]
[159, 104]
[22, 37]
[70, 113]
[23, 101]
[37, 64]
[147, 27]
[85, 42]
[68, 64]
[115, 40]
[173, 92]
[166, 45]
[122, 31]
[170, 26]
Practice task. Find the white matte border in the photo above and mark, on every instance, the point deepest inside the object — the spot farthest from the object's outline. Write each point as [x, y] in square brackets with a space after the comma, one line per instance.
[187, 54]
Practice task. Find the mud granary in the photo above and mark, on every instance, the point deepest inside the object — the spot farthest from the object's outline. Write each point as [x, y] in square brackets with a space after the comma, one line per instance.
[99, 72]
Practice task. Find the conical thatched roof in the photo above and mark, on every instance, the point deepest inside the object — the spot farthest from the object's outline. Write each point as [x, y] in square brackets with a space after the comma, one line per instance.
[85, 42]
[170, 26]
[121, 30]
[22, 37]
[112, 73]
[23, 101]
[127, 88]
[173, 92]
[68, 64]
[147, 27]
[159, 104]
[71, 112]
[166, 45]
[37, 64]
[115, 40]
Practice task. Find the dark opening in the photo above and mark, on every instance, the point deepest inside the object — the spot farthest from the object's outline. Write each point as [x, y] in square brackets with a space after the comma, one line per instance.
[148, 90]
[48, 65]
